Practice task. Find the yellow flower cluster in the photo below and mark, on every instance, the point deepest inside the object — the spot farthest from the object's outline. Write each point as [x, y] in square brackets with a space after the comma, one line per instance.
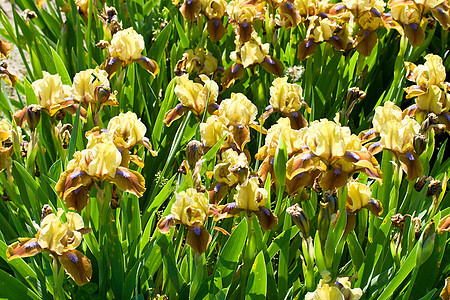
[431, 92]
[106, 158]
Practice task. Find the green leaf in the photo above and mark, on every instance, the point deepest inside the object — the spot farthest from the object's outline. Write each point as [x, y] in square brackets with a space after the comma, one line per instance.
[229, 255]
[60, 68]
[257, 281]
[181, 34]
[11, 287]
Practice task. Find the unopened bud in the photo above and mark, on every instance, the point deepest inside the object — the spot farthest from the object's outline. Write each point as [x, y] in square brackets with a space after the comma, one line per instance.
[33, 116]
[194, 151]
[102, 94]
[420, 143]
[46, 210]
[299, 218]
[324, 221]
[332, 199]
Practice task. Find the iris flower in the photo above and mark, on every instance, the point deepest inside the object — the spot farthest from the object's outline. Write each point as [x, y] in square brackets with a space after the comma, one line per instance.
[338, 290]
[126, 47]
[335, 152]
[60, 240]
[6, 147]
[191, 209]
[252, 198]
[101, 161]
[196, 61]
[431, 92]
[194, 97]
[287, 99]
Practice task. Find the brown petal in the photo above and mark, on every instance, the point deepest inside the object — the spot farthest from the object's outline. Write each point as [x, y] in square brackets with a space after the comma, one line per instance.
[111, 66]
[411, 164]
[298, 121]
[415, 34]
[129, 181]
[300, 163]
[198, 238]
[217, 192]
[23, 248]
[442, 14]
[301, 180]
[146, 142]
[289, 14]
[350, 224]
[174, 114]
[231, 74]
[245, 30]
[190, 9]
[333, 179]
[273, 65]
[5, 48]
[74, 187]
[77, 266]
[78, 198]
[267, 220]
[149, 64]
[375, 207]
[241, 135]
[215, 29]
[444, 225]
[306, 48]
[366, 41]
[20, 116]
[166, 224]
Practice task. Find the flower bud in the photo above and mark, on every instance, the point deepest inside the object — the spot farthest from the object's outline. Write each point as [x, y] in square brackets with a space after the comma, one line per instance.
[33, 116]
[102, 94]
[420, 143]
[428, 237]
[194, 151]
[299, 218]
[332, 199]
[46, 210]
[324, 221]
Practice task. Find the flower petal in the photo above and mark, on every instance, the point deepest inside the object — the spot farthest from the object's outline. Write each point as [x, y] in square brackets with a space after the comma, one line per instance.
[23, 248]
[174, 114]
[77, 266]
[198, 238]
[267, 219]
[129, 181]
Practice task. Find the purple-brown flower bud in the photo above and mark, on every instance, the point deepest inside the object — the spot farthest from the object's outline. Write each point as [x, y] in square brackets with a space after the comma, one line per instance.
[299, 218]
[420, 143]
[194, 151]
[33, 116]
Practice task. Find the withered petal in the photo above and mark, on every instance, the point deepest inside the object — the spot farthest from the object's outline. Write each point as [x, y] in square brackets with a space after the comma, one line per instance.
[166, 223]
